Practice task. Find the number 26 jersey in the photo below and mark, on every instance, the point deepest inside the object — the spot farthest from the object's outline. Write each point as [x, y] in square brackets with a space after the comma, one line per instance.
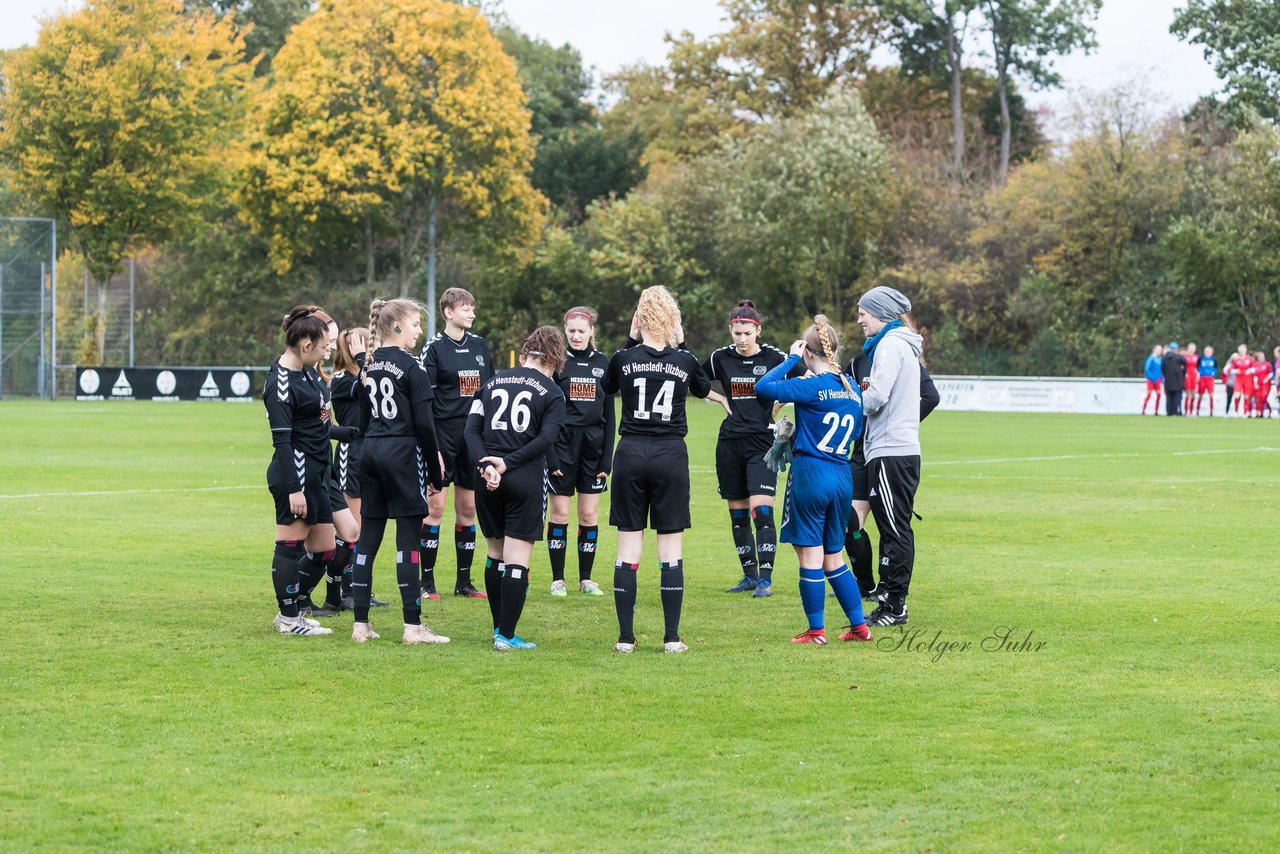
[653, 385]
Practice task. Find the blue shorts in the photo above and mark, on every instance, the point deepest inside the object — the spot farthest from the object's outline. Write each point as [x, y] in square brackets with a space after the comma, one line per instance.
[817, 505]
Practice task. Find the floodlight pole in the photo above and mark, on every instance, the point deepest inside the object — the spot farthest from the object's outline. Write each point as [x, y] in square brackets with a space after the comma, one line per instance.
[133, 269]
[43, 346]
[1, 331]
[53, 314]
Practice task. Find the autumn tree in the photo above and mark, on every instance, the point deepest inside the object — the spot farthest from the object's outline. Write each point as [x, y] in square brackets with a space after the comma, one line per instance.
[117, 121]
[404, 119]
[264, 23]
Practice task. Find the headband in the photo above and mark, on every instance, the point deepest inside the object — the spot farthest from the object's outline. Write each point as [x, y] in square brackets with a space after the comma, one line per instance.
[734, 320]
[582, 314]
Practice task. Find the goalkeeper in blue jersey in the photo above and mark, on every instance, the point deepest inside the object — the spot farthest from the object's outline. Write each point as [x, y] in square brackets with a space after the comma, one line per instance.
[828, 415]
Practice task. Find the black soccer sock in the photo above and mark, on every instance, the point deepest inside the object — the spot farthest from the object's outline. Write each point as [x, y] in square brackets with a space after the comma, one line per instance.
[766, 539]
[493, 569]
[333, 573]
[347, 572]
[586, 550]
[557, 545]
[861, 561]
[408, 541]
[464, 544]
[672, 581]
[284, 575]
[515, 589]
[428, 548]
[371, 532]
[310, 570]
[624, 599]
[740, 526]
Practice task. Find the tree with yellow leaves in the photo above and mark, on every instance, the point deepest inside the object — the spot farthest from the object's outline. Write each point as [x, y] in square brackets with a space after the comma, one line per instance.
[402, 118]
[116, 121]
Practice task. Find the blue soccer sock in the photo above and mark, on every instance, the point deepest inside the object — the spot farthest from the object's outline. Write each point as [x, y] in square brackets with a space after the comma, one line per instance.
[813, 594]
[845, 586]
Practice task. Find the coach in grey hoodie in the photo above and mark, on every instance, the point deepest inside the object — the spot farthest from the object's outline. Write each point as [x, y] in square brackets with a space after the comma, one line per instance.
[891, 443]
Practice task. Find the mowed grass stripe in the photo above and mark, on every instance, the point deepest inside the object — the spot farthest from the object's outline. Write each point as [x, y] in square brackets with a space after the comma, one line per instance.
[146, 704]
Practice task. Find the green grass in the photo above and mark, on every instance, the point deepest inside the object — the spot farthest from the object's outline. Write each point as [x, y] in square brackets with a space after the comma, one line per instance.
[145, 704]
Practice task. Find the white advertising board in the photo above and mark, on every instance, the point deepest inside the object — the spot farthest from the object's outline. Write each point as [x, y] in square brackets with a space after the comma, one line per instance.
[1093, 396]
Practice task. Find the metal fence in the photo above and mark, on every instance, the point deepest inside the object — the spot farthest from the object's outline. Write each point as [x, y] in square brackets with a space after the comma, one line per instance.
[28, 306]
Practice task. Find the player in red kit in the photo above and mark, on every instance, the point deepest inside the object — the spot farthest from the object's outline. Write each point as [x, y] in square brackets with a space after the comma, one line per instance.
[1193, 380]
[1237, 370]
[1263, 376]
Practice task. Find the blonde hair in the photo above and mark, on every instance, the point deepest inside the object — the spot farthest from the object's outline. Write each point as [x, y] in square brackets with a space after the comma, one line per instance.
[346, 360]
[659, 314]
[589, 314]
[823, 340]
[547, 346]
[386, 313]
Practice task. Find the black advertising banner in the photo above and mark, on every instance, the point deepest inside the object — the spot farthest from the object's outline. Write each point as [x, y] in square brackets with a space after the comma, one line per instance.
[239, 385]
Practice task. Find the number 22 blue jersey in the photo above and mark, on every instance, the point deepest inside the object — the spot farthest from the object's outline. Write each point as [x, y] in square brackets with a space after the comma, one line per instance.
[828, 418]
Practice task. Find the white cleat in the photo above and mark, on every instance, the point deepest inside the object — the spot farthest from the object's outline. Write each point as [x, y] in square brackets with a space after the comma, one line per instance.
[623, 646]
[675, 646]
[361, 632]
[558, 588]
[590, 588]
[422, 634]
[298, 626]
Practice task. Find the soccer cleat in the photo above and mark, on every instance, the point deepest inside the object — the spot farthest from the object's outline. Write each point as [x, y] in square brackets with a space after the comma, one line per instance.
[502, 644]
[328, 609]
[559, 588]
[747, 583]
[814, 636]
[469, 591]
[375, 602]
[885, 616]
[589, 587]
[429, 592]
[307, 620]
[361, 632]
[422, 634]
[298, 626]
[860, 634]
[876, 594]
[675, 646]
[764, 587]
[348, 603]
[624, 646]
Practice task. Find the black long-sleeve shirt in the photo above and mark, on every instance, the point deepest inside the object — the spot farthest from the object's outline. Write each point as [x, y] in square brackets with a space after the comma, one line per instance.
[516, 416]
[653, 384]
[297, 404]
[586, 403]
[397, 402]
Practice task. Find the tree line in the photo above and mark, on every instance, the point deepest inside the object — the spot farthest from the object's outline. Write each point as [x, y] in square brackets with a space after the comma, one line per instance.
[258, 153]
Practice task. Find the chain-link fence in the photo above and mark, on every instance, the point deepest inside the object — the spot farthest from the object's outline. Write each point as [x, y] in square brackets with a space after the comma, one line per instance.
[28, 314]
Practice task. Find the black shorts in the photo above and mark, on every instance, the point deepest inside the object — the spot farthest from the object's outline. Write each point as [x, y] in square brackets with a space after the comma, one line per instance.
[650, 485]
[337, 501]
[741, 470]
[346, 467]
[315, 488]
[449, 435]
[861, 480]
[579, 451]
[393, 480]
[517, 508]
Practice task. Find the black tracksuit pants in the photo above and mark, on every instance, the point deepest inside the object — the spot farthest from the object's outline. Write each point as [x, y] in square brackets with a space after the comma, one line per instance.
[893, 482]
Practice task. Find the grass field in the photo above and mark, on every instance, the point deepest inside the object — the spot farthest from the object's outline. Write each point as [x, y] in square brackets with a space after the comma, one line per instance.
[146, 704]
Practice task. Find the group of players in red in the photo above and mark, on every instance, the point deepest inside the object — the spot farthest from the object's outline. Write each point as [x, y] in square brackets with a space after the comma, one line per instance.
[1248, 379]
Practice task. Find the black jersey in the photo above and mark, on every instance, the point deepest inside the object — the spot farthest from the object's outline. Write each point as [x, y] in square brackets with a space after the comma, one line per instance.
[653, 384]
[456, 370]
[516, 416]
[751, 414]
[297, 405]
[586, 404]
[397, 402]
[348, 407]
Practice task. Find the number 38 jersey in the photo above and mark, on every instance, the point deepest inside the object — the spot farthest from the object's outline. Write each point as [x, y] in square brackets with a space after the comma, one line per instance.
[516, 415]
[828, 417]
[653, 384]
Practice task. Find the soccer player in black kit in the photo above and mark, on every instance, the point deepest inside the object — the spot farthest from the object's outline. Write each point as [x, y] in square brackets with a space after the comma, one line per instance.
[583, 453]
[651, 463]
[400, 462]
[297, 403]
[514, 419]
[745, 480]
[457, 364]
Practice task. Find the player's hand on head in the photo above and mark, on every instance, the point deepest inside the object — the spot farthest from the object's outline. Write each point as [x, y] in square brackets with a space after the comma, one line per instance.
[635, 325]
[358, 342]
[797, 348]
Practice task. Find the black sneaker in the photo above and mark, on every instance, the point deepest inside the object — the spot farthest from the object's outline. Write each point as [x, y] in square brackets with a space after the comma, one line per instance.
[310, 609]
[375, 602]
[348, 603]
[745, 585]
[876, 594]
[470, 592]
[885, 616]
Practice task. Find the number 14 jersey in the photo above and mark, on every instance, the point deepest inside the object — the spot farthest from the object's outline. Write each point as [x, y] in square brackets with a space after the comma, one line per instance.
[653, 385]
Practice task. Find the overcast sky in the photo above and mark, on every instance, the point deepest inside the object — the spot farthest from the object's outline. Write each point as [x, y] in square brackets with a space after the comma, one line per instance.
[1133, 36]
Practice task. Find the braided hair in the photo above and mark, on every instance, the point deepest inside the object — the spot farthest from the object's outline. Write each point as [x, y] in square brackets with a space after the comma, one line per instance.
[546, 344]
[823, 340]
[385, 314]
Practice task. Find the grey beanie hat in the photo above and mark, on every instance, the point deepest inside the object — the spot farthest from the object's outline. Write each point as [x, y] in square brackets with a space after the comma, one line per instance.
[884, 303]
